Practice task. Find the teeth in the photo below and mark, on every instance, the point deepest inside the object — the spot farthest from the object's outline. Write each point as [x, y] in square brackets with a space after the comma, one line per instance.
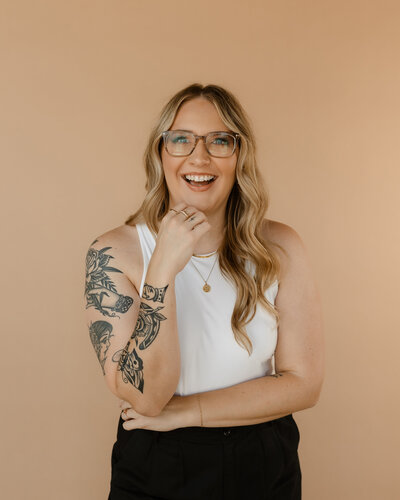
[199, 178]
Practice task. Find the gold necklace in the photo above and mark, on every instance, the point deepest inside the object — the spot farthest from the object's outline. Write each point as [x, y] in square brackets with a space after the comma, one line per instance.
[206, 286]
[206, 255]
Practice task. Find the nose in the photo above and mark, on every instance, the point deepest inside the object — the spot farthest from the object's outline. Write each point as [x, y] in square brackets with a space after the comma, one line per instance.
[200, 152]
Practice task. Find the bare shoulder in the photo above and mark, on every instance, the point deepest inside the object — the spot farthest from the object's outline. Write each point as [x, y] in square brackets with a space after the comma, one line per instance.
[123, 244]
[290, 246]
[296, 267]
[278, 232]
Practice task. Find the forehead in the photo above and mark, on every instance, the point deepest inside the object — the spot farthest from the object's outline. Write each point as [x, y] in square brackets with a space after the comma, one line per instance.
[200, 116]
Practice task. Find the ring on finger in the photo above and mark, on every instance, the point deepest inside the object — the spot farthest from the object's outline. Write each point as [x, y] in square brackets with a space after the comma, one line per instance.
[183, 212]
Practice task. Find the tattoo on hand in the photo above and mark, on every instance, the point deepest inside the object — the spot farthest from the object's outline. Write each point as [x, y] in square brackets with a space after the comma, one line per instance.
[100, 291]
[145, 332]
[276, 375]
[100, 334]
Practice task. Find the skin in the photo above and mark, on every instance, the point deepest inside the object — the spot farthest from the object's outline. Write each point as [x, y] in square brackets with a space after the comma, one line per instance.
[201, 117]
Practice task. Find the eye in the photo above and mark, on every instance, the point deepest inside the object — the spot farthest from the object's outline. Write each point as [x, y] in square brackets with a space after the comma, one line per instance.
[223, 141]
[179, 139]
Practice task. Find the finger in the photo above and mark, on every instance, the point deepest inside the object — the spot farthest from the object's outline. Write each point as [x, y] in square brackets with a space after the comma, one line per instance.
[129, 413]
[130, 425]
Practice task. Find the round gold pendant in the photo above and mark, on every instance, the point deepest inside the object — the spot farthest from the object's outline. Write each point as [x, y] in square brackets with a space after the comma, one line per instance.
[206, 287]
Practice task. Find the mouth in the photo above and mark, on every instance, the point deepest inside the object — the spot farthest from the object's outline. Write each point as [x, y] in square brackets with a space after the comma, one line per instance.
[199, 180]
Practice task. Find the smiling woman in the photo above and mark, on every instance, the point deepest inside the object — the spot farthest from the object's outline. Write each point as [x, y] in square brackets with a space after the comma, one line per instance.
[199, 143]
[205, 318]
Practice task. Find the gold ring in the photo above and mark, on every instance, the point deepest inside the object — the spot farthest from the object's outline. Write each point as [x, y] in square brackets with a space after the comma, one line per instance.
[176, 211]
[183, 212]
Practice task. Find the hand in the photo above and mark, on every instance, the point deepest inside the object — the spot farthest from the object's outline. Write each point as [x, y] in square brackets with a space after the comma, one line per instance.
[177, 236]
[180, 411]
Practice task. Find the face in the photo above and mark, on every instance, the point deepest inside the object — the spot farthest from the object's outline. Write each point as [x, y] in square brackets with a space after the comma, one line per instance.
[200, 117]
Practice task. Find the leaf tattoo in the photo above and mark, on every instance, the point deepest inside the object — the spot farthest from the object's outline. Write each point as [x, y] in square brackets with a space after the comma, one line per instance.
[100, 290]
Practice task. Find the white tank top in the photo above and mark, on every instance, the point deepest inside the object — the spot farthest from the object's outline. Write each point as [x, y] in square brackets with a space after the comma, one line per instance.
[210, 356]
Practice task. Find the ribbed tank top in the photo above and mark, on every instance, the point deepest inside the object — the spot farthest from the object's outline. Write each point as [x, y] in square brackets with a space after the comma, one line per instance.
[210, 356]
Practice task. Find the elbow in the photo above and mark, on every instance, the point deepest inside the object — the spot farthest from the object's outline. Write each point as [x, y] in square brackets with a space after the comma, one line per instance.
[316, 394]
[140, 405]
[311, 389]
[150, 412]
[314, 401]
[151, 401]
[146, 406]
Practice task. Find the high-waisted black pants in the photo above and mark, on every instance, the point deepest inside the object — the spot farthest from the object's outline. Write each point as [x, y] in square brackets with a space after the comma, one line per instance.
[252, 462]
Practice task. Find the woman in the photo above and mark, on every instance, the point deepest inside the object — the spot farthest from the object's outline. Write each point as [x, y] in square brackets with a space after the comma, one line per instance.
[183, 308]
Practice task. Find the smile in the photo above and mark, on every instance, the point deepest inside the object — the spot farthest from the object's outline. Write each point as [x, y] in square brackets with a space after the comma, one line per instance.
[199, 182]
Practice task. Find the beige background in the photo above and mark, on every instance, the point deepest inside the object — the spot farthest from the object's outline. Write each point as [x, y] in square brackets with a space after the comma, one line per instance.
[82, 82]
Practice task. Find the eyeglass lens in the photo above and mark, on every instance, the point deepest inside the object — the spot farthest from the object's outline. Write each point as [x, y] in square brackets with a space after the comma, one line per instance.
[181, 143]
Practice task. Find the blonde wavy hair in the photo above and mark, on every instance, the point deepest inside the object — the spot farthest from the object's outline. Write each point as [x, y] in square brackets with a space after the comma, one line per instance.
[247, 203]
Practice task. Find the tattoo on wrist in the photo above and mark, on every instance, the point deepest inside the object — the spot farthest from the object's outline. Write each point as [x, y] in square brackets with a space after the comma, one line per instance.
[276, 375]
[100, 291]
[154, 294]
[145, 332]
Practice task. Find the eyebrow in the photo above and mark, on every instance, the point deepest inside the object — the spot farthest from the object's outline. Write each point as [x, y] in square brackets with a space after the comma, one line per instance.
[191, 131]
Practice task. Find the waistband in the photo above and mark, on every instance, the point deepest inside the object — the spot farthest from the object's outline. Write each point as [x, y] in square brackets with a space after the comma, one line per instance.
[214, 434]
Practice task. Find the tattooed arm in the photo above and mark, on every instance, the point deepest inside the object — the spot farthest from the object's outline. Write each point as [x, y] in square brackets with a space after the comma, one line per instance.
[135, 338]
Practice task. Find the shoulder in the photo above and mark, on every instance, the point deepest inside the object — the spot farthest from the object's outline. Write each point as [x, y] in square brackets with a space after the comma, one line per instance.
[122, 243]
[290, 246]
[282, 234]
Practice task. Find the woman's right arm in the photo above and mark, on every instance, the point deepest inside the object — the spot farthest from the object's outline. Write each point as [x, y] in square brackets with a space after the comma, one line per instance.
[135, 338]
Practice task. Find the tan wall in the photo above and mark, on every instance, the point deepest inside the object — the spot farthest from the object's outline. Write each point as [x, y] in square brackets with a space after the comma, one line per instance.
[82, 82]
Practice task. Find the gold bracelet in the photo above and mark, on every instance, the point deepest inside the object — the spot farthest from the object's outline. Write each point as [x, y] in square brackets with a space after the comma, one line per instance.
[201, 413]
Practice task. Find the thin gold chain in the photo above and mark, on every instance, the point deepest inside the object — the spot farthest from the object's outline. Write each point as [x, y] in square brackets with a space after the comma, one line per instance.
[205, 256]
[206, 285]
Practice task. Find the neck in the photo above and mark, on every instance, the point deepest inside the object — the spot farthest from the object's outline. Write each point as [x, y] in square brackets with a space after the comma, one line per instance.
[212, 239]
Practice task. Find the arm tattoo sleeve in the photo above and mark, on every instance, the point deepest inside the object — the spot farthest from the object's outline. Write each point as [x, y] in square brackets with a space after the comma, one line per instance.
[145, 332]
[100, 291]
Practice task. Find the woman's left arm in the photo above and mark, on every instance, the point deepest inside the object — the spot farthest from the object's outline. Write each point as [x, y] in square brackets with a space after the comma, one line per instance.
[299, 355]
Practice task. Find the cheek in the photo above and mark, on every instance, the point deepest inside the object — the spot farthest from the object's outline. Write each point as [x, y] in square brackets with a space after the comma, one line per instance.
[230, 169]
[170, 166]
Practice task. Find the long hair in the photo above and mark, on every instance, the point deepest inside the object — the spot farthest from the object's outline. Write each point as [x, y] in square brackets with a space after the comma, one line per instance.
[247, 203]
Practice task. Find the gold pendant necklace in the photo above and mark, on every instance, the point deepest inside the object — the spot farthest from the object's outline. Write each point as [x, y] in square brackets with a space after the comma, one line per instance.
[206, 286]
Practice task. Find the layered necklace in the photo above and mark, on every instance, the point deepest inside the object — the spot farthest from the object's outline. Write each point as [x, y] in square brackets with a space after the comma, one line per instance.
[206, 286]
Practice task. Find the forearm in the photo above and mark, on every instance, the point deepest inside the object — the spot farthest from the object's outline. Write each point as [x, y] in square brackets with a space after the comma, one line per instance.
[251, 402]
[149, 365]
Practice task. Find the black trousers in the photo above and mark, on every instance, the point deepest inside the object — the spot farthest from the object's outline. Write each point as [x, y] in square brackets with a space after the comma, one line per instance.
[252, 462]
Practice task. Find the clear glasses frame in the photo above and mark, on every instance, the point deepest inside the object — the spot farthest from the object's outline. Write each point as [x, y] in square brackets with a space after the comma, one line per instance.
[234, 135]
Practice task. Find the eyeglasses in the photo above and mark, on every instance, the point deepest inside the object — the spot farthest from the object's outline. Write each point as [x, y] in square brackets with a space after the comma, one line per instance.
[182, 143]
